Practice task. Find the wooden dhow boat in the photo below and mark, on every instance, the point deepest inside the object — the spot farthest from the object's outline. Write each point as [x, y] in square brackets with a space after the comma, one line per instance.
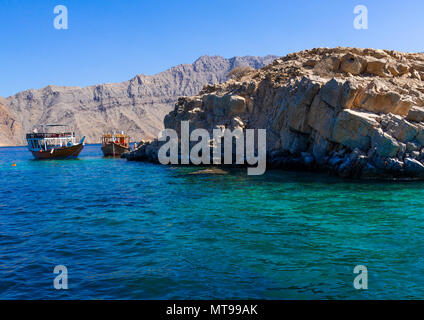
[115, 144]
[60, 144]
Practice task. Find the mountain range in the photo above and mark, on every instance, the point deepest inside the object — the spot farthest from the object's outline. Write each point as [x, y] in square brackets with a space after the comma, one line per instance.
[136, 106]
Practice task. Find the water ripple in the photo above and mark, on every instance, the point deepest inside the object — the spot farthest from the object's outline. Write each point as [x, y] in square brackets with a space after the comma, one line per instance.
[130, 230]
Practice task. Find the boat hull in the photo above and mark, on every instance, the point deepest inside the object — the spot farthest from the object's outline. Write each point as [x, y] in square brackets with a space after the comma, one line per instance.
[60, 153]
[113, 150]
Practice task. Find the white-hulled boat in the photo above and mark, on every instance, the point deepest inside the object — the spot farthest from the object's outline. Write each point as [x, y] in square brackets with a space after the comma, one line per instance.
[60, 144]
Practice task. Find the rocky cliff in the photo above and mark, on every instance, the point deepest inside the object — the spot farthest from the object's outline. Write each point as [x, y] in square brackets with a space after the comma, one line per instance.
[353, 112]
[136, 106]
[10, 129]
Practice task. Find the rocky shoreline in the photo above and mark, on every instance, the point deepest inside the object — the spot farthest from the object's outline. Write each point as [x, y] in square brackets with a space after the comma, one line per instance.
[357, 113]
[354, 165]
[136, 106]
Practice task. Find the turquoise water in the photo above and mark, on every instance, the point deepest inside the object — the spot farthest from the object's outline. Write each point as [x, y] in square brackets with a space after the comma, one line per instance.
[143, 231]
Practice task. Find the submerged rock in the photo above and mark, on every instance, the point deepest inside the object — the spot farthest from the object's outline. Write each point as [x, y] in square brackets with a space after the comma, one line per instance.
[210, 171]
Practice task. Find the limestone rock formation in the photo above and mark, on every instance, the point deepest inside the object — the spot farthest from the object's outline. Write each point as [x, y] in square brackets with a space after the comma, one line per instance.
[354, 112]
[136, 106]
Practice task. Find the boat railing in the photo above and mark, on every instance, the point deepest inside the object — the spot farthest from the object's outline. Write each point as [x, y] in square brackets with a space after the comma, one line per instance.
[49, 135]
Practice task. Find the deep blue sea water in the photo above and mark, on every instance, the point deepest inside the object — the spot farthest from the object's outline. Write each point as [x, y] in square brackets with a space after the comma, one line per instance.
[129, 230]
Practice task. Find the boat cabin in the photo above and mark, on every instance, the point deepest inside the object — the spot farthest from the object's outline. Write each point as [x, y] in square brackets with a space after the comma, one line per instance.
[44, 140]
[116, 138]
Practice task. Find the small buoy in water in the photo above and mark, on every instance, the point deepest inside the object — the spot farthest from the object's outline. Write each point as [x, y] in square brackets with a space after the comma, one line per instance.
[13, 164]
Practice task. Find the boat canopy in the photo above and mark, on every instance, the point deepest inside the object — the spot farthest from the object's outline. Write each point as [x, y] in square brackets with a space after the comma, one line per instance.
[50, 139]
[116, 135]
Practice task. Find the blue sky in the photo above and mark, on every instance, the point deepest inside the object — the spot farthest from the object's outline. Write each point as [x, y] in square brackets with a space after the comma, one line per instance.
[111, 40]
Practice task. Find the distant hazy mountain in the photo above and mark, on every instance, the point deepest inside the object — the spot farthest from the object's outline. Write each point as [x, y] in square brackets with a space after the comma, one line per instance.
[136, 106]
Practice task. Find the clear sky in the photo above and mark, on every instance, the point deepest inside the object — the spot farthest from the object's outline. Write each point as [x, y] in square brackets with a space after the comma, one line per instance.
[112, 40]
